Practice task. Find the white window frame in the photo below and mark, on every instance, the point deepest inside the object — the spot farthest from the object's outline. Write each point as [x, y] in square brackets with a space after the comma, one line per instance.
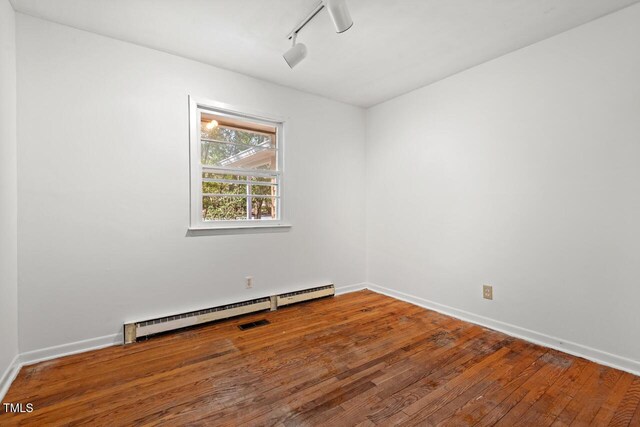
[196, 105]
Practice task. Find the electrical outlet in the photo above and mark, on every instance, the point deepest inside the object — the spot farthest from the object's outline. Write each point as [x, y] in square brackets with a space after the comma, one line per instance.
[487, 292]
[249, 282]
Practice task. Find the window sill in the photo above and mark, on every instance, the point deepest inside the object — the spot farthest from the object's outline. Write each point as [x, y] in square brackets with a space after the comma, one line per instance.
[238, 229]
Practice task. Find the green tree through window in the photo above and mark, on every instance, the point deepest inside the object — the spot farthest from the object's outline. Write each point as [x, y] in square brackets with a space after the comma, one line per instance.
[236, 196]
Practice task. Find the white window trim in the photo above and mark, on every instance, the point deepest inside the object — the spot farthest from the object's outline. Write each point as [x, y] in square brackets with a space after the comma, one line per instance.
[195, 170]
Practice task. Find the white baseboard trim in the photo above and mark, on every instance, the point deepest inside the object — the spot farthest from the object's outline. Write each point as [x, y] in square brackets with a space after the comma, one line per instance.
[597, 356]
[41, 355]
[49, 353]
[9, 375]
[351, 288]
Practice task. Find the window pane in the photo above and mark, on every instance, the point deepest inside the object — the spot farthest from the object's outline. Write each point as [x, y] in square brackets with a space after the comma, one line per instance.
[264, 208]
[265, 180]
[239, 138]
[225, 176]
[224, 208]
[237, 157]
[212, 127]
[264, 190]
[223, 188]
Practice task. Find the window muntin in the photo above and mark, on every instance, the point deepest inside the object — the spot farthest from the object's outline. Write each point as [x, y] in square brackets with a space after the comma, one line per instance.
[236, 169]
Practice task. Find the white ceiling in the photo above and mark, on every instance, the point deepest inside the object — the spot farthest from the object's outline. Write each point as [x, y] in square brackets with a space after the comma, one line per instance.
[394, 46]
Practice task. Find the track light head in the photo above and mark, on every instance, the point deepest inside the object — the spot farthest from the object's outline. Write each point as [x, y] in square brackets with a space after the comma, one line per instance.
[295, 54]
[339, 13]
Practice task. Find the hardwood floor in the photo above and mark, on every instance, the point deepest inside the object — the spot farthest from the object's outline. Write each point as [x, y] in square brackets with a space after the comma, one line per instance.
[358, 359]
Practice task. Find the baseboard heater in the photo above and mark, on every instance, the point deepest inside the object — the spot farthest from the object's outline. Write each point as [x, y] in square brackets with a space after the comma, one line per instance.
[136, 330]
[305, 295]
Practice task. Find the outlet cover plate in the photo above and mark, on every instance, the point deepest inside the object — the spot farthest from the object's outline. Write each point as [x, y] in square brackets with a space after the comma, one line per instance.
[487, 292]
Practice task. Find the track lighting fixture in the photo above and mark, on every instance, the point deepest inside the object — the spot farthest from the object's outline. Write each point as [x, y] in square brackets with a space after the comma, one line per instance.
[296, 54]
[339, 14]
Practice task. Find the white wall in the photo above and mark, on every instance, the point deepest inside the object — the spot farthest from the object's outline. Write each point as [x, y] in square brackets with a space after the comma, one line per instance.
[104, 188]
[8, 192]
[522, 173]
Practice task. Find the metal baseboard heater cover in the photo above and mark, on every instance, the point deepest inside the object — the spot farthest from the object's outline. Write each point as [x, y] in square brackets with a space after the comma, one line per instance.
[305, 295]
[135, 330]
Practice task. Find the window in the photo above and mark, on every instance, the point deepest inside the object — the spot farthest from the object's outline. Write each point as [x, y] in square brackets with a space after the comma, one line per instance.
[236, 169]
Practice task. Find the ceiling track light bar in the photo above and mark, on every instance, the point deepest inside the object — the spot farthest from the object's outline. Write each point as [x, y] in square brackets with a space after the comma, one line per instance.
[339, 14]
[306, 20]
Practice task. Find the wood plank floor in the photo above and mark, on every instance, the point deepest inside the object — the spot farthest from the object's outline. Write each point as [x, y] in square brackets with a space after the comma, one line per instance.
[358, 359]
